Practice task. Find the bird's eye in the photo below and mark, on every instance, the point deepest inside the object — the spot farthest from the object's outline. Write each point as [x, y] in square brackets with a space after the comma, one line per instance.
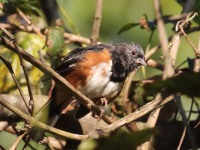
[133, 53]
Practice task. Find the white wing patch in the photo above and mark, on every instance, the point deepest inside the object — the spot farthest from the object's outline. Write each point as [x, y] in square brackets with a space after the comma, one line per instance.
[99, 84]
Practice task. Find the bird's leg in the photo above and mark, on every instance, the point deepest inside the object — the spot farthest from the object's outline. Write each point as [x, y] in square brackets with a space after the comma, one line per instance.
[101, 114]
[104, 101]
[101, 102]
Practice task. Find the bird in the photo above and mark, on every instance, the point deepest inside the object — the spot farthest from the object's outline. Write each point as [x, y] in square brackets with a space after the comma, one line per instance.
[98, 71]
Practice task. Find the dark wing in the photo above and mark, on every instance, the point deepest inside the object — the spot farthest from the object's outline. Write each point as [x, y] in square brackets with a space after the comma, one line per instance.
[75, 56]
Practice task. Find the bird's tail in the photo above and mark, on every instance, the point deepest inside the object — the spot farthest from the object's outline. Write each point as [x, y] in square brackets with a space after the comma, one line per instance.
[81, 112]
[54, 110]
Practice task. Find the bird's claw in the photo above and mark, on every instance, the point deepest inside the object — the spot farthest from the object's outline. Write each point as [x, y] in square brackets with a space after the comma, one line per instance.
[104, 101]
[101, 114]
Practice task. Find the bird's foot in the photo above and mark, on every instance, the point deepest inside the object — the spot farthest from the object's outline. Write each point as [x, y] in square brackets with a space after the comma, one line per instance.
[104, 101]
[100, 115]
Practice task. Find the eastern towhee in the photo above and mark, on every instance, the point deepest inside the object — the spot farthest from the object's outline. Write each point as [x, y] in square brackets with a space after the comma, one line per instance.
[98, 71]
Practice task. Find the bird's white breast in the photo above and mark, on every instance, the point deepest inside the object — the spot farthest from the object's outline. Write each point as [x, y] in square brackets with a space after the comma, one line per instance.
[98, 83]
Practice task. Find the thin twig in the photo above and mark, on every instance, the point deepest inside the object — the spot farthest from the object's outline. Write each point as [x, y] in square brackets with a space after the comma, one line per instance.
[7, 33]
[185, 122]
[16, 143]
[27, 142]
[126, 90]
[197, 125]
[197, 68]
[40, 56]
[97, 22]
[184, 131]
[76, 38]
[8, 65]
[125, 100]
[22, 15]
[31, 101]
[197, 59]
[154, 64]
[151, 52]
[180, 25]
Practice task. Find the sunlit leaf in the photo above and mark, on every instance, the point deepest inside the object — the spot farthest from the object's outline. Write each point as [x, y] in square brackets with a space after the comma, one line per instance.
[55, 40]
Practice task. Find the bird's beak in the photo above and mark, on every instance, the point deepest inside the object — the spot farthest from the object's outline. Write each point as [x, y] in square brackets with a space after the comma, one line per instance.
[141, 61]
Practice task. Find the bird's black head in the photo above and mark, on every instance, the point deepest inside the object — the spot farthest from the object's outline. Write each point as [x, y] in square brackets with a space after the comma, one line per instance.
[131, 54]
[126, 58]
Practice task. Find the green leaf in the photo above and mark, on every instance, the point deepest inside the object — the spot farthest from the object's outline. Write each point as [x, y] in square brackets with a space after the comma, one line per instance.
[87, 145]
[187, 83]
[29, 7]
[55, 40]
[123, 140]
[127, 27]
[3, 1]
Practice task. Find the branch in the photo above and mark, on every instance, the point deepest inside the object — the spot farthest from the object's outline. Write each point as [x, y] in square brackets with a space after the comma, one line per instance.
[97, 22]
[154, 64]
[126, 101]
[168, 65]
[31, 101]
[197, 59]
[55, 142]
[43, 126]
[151, 52]
[128, 119]
[149, 107]
[180, 26]
[168, 70]
[18, 140]
[76, 38]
